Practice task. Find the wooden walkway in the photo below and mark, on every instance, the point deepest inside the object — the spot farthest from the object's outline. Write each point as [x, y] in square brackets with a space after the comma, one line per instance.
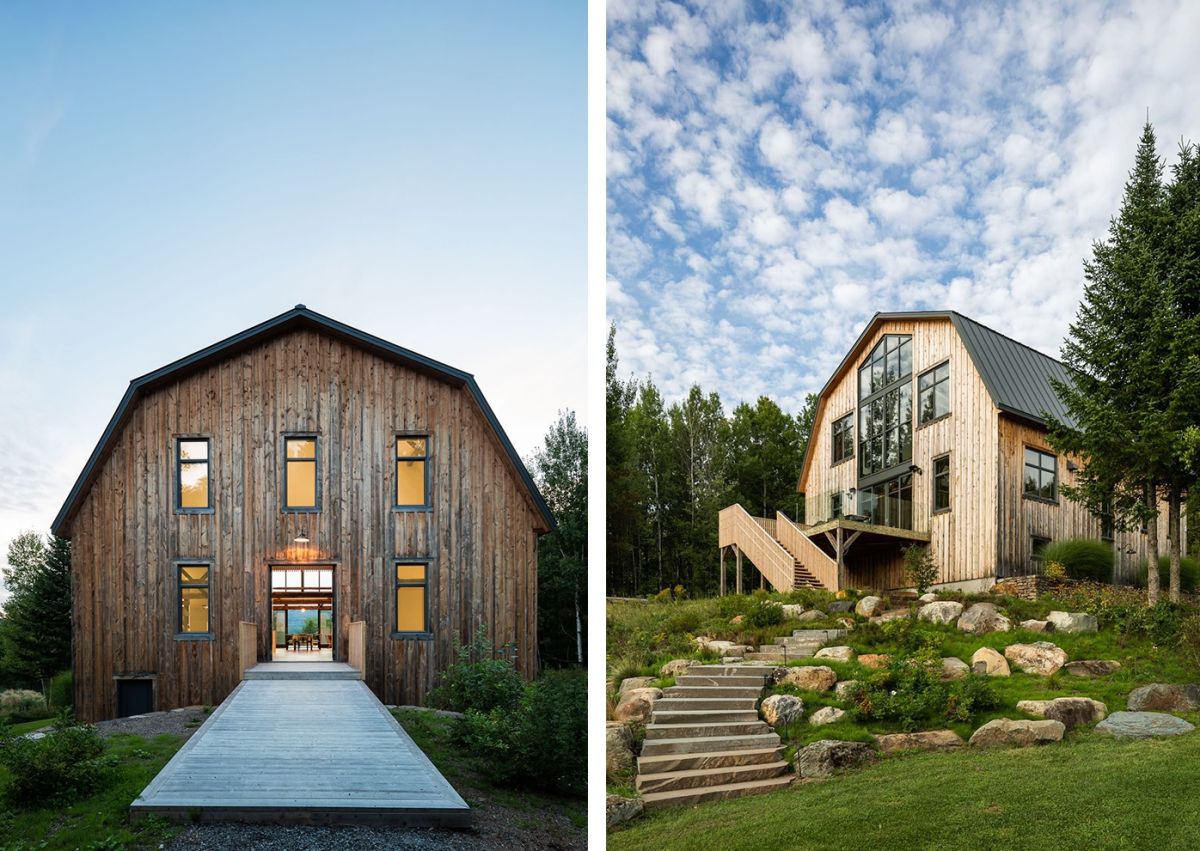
[302, 750]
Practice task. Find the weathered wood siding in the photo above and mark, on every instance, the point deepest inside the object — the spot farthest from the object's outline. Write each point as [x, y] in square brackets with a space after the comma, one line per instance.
[480, 533]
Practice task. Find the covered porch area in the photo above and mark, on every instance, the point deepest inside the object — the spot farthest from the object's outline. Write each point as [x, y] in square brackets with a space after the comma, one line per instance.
[866, 554]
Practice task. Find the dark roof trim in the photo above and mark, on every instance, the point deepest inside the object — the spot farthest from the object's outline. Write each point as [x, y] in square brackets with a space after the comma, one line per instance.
[298, 317]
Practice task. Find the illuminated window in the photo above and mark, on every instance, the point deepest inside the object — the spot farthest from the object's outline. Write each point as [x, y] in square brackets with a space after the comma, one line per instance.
[191, 475]
[193, 599]
[300, 474]
[411, 592]
[412, 490]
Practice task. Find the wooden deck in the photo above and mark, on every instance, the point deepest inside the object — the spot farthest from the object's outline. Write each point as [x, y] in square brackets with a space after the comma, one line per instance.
[302, 750]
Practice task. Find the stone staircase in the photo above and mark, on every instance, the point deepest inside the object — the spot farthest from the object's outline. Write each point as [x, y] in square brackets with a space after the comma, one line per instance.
[801, 644]
[705, 741]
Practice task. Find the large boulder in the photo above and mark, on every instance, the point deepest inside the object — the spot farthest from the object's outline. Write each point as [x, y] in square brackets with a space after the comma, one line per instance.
[840, 653]
[1072, 711]
[987, 661]
[983, 618]
[1041, 657]
[823, 758]
[930, 740]
[1005, 731]
[844, 689]
[637, 705]
[1092, 667]
[1037, 626]
[838, 607]
[792, 610]
[826, 715]
[807, 677]
[1071, 622]
[892, 615]
[1165, 697]
[618, 810]
[954, 668]
[630, 683]
[947, 611]
[874, 660]
[811, 615]
[1143, 725]
[869, 607]
[780, 709]
[618, 749]
[679, 667]
[928, 597]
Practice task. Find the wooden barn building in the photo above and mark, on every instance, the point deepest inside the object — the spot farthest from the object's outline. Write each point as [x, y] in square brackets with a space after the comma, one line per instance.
[931, 430]
[301, 491]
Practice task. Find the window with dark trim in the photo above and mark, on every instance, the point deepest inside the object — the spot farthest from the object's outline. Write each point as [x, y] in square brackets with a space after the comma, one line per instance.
[1107, 526]
[888, 503]
[193, 489]
[835, 505]
[933, 393]
[194, 594]
[885, 406]
[889, 362]
[941, 483]
[1037, 546]
[412, 597]
[300, 490]
[412, 474]
[1041, 474]
[842, 438]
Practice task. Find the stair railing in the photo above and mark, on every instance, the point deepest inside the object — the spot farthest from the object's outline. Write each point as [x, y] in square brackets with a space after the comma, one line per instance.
[801, 547]
[736, 527]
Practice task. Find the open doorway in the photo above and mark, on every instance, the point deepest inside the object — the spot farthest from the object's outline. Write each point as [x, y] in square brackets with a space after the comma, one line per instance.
[302, 613]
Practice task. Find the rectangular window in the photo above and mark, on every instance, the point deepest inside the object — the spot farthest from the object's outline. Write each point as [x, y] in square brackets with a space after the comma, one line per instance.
[1037, 546]
[888, 503]
[412, 455]
[835, 505]
[941, 483]
[843, 438]
[411, 597]
[1041, 474]
[885, 431]
[933, 393]
[194, 592]
[300, 474]
[191, 474]
[1106, 520]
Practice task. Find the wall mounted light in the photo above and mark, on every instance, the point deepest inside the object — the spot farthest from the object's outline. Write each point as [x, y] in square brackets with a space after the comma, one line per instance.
[913, 468]
[1072, 466]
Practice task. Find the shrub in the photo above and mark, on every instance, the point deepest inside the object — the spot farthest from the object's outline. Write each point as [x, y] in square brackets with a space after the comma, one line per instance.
[919, 567]
[62, 691]
[1189, 642]
[66, 764]
[476, 681]
[732, 605]
[910, 635]
[1056, 569]
[912, 693]
[764, 613]
[22, 704]
[1189, 573]
[1082, 558]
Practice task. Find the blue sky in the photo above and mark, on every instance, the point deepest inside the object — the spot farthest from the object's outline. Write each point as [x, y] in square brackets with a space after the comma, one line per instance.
[171, 174]
[779, 172]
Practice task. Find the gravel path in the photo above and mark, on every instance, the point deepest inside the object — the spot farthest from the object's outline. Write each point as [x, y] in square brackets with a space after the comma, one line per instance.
[177, 722]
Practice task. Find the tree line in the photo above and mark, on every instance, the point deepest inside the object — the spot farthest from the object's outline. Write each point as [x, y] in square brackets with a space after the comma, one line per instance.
[670, 469]
[35, 632]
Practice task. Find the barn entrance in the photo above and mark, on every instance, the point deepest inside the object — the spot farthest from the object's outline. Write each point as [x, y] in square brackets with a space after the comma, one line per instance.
[303, 609]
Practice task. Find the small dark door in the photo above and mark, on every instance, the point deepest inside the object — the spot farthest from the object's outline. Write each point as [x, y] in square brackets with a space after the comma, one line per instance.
[134, 697]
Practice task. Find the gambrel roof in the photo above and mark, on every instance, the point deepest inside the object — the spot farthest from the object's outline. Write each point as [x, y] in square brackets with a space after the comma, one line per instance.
[300, 317]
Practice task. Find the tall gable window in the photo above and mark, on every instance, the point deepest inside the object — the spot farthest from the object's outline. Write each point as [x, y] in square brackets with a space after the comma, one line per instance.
[193, 492]
[300, 474]
[941, 483]
[933, 394]
[412, 481]
[412, 598]
[194, 591]
[885, 406]
[889, 362]
[1041, 474]
[843, 438]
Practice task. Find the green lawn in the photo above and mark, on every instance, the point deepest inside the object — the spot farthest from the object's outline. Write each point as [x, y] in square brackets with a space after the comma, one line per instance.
[1085, 793]
[30, 726]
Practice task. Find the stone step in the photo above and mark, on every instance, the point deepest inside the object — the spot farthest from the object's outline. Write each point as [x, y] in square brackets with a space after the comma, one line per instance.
[709, 744]
[705, 730]
[781, 656]
[705, 777]
[820, 634]
[712, 759]
[712, 692]
[714, 793]
[770, 648]
[737, 670]
[696, 680]
[671, 703]
[702, 716]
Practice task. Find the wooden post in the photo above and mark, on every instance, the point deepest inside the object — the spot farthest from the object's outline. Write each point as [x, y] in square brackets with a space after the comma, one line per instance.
[738, 552]
[722, 571]
[841, 560]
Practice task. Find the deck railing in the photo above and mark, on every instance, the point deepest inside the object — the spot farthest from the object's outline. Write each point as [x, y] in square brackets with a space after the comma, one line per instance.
[735, 526]
[815, 559]
[247, 647]
[356, 647]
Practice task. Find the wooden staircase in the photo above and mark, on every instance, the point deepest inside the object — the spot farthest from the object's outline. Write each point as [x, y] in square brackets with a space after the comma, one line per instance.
[779, 548]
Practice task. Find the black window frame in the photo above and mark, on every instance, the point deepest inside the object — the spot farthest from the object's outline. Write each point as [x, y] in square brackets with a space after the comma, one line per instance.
[427, 505]
[932, 388]
[841, 431]
[316, 461]
[180, 461]
[877, 494]
[836, 499]
[1037, 546]
[180, 565]
[1041, 469]
[1108, 526]
[941, 459]
[397, 583]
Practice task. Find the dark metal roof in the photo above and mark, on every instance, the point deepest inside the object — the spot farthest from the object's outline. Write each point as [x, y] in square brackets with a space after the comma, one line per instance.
[297, 318]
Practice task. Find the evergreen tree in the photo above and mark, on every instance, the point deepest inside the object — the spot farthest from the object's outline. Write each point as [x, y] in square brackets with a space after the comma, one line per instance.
[766, 449]
[26, 554]
[699, 433]
[36, 632]
[651, 434]
[623, 515]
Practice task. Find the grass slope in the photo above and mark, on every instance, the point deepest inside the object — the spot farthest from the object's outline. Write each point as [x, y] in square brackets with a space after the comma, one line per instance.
[1091, 793]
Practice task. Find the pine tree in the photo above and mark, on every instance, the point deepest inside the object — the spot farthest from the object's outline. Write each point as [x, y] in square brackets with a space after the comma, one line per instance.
[36, 633]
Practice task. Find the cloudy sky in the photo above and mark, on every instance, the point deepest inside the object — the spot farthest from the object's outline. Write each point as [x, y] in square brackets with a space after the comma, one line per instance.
[172, 174]
[777, 175]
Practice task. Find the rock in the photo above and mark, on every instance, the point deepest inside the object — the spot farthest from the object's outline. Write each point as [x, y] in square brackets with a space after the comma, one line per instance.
[892, 615]
[954, 668]
[792, 610]
[844, 689]
[807, 677]
[737, 619]
[823, 758]
[947, 611]
[738, 650]
[1092, 667]
[1143, 725]
[678, 667]
[811, 615]
[618, 810]
[1037, 626]
[931, 740]
[929, 597]
[987, 661]
[618, 749]
[841, 653]
[1041, 657]
[630, 683]
[637, 705]
[846, 623]
[1005, 731]
[837, 607]
[983, 618]
[1072, 711]
[826, 715]
[869, 607]
[780, 709]
[874, 660]
[1165, 697]
[1072, 622]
